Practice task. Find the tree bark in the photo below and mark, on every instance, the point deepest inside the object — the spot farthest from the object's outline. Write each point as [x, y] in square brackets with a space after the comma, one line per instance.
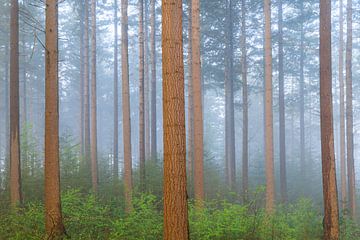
[342, 108]
[175, 197]
[245, 144]
[94, 167]
[53, 218]
[86, 93]
[331, 218]
[229, 102]
[126, 106]
[141, 97]
[190, 132]
[198, 112]
[81, 91]
[15, 175]
[147, 81]
[349, 114]
[153, 80]
[283, 183]
[116, 96]
[269, 148]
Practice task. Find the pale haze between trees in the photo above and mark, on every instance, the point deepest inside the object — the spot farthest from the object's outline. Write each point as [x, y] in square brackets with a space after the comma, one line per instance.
[178, 120]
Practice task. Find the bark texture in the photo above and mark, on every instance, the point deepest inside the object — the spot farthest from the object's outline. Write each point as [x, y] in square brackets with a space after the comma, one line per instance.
[153, 79]
[331, 218]
[269, 147]
[94, 167]
[198, 112]
[53, 218]
[126, 106]
[141, 97]
[15, 174]
[175, 197]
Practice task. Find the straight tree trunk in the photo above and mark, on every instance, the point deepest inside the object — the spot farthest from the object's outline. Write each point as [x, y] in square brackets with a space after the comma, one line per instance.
[245, 144]
[126, 106]
[94, 167]
[229, 102]
[269, 147]
[190, 137]
[302, 97]
[141, 97]
[53, 218]
[147, 81]
[342, 109]
[24, 88]
[87, 93]
[198, 111]
[175, 196]
[331, 218]
[283, 183]
[15, 175]
[349, 114]
[81, 91]
[116, 95]
[153, 79]
[7, 119]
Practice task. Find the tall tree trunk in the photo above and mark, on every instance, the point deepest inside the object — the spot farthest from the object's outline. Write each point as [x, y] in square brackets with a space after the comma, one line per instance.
[331, 218]
[283, 183]
[302, 97]
[24, 91]
[141, 97]
[175, 197]
[86, 93]
[53, 219]
[116, 95]
[229, 101]
[7, 118]
[198, 111]
[269, 147]
[126, 106]
[15, 176]
[94, 167]
[245, 143]
[147, 80]
[342, 109]
[349, 114]
[153, 80]
[190, 132]
[81, 91]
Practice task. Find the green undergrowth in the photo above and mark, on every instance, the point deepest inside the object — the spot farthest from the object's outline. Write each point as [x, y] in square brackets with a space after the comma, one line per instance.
[87, 217]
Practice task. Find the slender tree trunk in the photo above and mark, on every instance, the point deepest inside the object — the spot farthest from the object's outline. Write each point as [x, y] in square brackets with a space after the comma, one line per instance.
[342, 109]
[15, 176]
[331, 219]
[24, 88]
[283, 183]
[86, 92]
[81, 91]
[245, 143]
[126, 106]
[229, 102]
[349, 114]
[141, 97]
[94, 167]
[269, 148]
[147, 81]
[302, 97]
[7, 118]
[53, 219]
[116, 95]
[198, 112]
[190, 137]
[153, 80]
[175, 197]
